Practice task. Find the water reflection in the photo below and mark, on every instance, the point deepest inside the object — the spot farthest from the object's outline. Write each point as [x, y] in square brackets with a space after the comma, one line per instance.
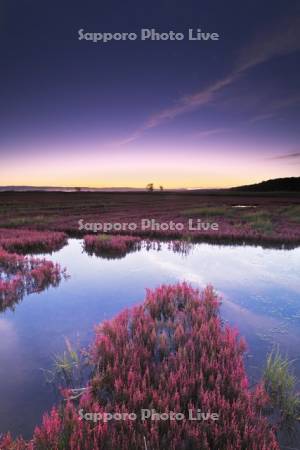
[182, 247]
[260, 290]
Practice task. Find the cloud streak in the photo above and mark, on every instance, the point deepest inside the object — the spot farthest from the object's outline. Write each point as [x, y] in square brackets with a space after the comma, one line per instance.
[292, 156]
[273, 107]
[212, 132]
[278, 40]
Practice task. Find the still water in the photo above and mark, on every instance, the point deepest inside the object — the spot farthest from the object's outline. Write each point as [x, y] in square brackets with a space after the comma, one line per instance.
[260, 291]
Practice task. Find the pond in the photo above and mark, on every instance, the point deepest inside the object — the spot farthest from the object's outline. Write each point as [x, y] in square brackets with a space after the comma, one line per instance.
[260, 291]
[244, 206]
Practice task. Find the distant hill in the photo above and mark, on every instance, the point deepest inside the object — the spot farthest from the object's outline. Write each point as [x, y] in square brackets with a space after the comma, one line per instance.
[277, 185]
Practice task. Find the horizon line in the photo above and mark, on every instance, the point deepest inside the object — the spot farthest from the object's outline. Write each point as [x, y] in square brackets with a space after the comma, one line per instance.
[137, 188]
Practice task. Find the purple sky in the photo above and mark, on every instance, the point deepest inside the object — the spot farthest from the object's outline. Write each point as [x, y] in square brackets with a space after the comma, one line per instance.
[178, 113]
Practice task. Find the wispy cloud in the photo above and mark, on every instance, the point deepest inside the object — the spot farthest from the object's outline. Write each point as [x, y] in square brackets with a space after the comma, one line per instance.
[189, 103]
[287, 156]
[268, 44]
[278, 39]
[183, 105]
[261, 117]
[212, 132]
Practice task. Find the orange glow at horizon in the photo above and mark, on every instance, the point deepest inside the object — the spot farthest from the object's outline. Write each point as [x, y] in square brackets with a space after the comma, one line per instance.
[212, 166]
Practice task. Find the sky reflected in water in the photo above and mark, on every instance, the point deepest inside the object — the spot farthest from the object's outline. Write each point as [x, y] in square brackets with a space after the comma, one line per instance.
[260, 290]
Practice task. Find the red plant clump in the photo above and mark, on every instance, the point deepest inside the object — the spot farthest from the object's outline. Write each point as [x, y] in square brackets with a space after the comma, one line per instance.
[58, 211]
[28, 241]
[111, 245]
[171, 353]
[20, 275]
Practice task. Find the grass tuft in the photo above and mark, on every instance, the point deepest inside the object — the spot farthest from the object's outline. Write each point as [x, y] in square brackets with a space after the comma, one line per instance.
[292, 213]
[260, 221]
[280, 384]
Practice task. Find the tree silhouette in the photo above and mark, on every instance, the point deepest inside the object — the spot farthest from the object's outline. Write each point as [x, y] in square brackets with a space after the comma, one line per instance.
[150, 187]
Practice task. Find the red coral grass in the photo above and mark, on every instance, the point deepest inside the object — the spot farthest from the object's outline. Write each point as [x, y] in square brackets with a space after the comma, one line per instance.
[170, 354]
[272, 223]
[111, 245]
[28, 241]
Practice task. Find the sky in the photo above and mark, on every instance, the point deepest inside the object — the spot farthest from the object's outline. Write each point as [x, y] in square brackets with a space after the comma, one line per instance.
[123, 113]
